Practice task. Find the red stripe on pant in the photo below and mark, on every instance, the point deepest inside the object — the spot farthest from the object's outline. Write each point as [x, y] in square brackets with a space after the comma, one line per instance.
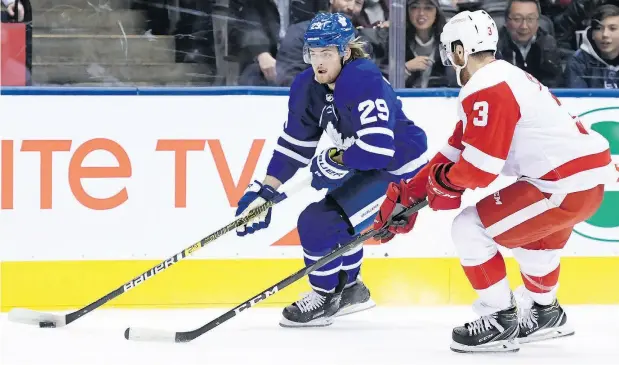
[541, 284]
[487, 274]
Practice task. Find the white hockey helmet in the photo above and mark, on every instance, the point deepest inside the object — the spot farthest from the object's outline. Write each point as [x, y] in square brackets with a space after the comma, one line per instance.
[476, 31]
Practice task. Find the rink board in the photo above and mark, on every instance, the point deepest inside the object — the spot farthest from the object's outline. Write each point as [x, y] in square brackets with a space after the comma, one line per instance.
[226, 283]
[123, 193]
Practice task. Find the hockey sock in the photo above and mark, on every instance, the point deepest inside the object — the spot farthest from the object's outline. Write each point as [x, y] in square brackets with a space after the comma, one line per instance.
[489, 279]
[351, 263]
[542, 289]
[540, 270]
[325, 279]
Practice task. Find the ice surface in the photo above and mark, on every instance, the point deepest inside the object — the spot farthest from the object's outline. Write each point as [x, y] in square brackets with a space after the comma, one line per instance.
[383, 335]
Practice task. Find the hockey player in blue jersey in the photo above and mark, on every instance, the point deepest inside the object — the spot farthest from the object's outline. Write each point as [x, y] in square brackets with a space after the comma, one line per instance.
[345, 96]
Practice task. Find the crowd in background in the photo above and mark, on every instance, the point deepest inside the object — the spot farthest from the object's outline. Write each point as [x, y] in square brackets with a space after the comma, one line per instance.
[563, 43]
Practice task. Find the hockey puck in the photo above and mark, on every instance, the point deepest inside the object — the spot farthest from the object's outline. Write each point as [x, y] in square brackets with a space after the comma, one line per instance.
[47, 324]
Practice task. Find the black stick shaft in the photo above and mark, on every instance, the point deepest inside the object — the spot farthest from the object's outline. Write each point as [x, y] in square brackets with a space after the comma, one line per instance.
[163, 265]
[191, 335]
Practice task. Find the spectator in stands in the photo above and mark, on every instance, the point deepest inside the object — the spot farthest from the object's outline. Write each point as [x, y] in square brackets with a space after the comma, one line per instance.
[290, 55]
[374, 13]
[302, 10]
[552, 8]
[423, 65]
[10, 9]
[571, 19]
[254, 27]
[523, 43]
[376, 10]
[596, 63]
[575, 17]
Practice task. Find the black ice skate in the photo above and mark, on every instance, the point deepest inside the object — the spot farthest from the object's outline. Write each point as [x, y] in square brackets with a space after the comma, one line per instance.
[496, 332]
[543, 322]
[315, 309]
[355, 298]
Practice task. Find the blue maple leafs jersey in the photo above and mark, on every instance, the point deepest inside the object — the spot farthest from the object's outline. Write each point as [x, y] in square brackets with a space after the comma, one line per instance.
[361, 116]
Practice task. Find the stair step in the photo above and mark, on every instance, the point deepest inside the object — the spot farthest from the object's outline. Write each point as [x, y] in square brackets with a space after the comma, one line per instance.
[79, 4]
[87, 48]
[125, 74]
[89, 21]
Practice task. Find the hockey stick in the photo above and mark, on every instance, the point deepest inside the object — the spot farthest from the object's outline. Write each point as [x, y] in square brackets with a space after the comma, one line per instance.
[146, 334]
[50, 320]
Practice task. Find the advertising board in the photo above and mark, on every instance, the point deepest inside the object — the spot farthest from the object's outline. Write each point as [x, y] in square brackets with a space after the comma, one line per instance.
[91, 183]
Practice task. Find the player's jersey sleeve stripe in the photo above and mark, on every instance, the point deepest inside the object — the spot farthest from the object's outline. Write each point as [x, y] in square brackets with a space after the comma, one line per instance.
[375, 130]
[306, 152]
[451, 152]
[370, 152]
[411, 165]
[293, 155]
[373, 149]
[288, 138]
[482, 160]
[300, 135]
[470, 176]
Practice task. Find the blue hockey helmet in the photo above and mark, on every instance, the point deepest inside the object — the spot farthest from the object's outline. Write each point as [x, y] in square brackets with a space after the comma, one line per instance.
[326, 30]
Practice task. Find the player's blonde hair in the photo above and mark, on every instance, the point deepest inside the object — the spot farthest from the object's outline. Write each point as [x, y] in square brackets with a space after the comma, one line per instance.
[357, 49]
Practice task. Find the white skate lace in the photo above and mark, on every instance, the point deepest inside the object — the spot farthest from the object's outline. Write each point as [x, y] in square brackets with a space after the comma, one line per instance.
[310, 301]
[527, 315]
[483, 324]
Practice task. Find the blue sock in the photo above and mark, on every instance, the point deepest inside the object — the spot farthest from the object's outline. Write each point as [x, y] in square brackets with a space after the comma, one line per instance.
[321, 229]
[325, 279]
[351, 263]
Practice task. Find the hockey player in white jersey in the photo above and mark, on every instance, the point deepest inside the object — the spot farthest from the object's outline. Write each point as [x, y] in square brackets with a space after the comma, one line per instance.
[509, 124]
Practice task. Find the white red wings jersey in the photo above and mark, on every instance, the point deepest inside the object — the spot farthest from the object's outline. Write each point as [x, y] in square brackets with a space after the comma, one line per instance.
[511, 124]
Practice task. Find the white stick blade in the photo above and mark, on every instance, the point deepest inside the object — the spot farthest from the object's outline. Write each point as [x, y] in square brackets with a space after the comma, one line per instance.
[146, 334]
[28, 316]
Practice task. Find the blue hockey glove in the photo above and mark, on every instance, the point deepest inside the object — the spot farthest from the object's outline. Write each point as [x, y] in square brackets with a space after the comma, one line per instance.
[255, 195]
[327, 173]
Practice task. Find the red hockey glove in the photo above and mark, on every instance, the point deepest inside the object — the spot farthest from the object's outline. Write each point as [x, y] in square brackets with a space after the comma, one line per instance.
[442, 194]
[399, 196]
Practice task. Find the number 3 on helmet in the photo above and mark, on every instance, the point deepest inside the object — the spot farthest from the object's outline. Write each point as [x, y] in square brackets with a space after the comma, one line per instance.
[476, 31]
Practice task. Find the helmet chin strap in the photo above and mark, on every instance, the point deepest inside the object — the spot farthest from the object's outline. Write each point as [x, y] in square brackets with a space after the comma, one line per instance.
[460, 68]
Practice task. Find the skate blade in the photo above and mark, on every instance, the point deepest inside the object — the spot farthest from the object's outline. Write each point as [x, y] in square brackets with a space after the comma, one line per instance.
[318, 322]
[496, 346]
[548, 334]
[354, 308]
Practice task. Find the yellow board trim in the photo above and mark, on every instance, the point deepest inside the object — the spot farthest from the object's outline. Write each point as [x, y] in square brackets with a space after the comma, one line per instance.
[61, 285]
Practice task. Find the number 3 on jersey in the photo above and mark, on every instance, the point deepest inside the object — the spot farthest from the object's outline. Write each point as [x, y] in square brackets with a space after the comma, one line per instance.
[367, 107]
[481, 107]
